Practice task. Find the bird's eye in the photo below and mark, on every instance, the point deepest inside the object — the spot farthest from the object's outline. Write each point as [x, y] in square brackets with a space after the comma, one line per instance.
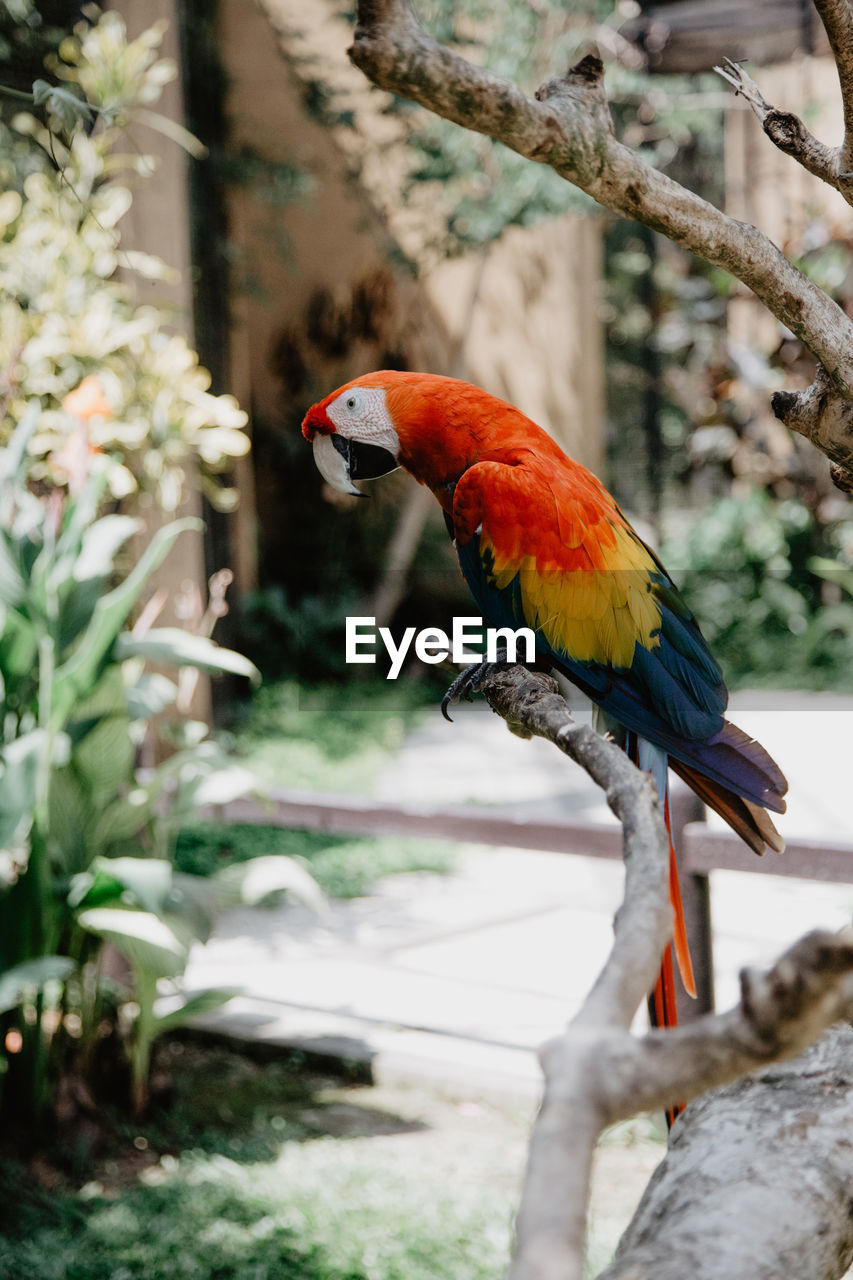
[351, 402]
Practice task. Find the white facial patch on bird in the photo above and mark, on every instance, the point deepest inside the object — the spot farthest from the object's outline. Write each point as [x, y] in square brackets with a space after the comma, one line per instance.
[360, 413]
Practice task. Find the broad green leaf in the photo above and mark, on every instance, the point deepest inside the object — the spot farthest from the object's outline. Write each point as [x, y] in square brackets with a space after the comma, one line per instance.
[202, 1002]
[149, 695]
[148, 880]
[221, 786]
[121, 820]
[100, 544]
[248, 883]
[104, 759]
[19, 765]
[142, 937]
[21, 982]
[70, 817]
[77, 675]
[171, 645]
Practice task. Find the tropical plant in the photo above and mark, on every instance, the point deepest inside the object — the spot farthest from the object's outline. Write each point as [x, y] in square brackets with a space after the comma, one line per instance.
[85, 834]
[66, 314]
[764, 579]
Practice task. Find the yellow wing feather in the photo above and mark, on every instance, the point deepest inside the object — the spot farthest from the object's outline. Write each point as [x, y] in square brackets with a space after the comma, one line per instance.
[585, 580]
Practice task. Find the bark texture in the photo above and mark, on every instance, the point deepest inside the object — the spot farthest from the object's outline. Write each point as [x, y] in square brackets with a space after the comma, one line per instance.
[756, 1182]
[568, 126]
[598, 1072]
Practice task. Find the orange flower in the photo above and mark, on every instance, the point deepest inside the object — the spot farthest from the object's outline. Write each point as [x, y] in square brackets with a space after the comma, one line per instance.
[84, 403]
[87, 400]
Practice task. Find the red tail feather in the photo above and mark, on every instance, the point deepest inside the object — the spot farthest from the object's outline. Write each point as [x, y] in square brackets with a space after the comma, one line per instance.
[679, 932]
[663, 1013]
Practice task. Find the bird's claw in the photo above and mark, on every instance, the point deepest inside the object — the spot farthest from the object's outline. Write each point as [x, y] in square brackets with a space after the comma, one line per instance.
[470, 681]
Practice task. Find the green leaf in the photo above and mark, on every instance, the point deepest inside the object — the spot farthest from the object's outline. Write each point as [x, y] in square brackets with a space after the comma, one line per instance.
[183, 649]
[147, 880]
[12, 587]
[196, 901]
[100, 544]
[77, 675]
[248, 883]
[202, 1002]
[152, 693]
[121, 820]
[69, 819]
[24, 980]
[19, 764]
[220, 786]
[142, 937]
[104, 758]
[20, 647]
[64, 106]
[832, 571]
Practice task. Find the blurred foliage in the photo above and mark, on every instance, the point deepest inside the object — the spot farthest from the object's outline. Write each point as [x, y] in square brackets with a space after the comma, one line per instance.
[323, 736]
[30, 30]
[343, 867]
[484, 187]
[65, 312]
[97, 403]
[756, 572]
[86, 833]
[297, 637]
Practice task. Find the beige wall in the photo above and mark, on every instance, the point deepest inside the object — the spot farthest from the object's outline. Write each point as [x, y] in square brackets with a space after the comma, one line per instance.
[523, 317]
[330, 238]
[521, 320]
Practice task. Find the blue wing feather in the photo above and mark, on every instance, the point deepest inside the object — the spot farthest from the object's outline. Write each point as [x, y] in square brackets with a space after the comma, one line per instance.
[672, 695]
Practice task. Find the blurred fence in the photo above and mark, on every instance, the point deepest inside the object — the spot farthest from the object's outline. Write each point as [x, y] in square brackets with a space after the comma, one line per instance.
[700, 849]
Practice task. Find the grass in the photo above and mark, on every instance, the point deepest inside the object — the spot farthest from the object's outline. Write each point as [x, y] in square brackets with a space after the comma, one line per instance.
[263, 1170]
[344, 868]
[255, 1172]
[332, 737]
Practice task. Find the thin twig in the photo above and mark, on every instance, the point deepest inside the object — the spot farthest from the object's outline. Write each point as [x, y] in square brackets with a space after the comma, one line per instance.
[568, 126]
[837, 18]
[787, 131]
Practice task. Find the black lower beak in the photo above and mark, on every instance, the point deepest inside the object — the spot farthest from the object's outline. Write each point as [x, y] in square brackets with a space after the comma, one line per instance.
[364, 461]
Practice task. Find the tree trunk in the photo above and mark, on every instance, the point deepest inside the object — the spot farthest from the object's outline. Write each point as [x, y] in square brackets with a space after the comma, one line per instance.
[758, 1179]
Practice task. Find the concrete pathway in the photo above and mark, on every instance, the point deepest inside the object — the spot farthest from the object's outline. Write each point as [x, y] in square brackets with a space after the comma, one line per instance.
[465, 975]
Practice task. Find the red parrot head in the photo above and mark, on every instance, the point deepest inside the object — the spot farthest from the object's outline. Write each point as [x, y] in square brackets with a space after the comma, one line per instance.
[353, 434]
[434, 427]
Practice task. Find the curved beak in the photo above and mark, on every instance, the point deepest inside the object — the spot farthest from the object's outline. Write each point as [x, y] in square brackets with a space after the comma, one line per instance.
[341, 461]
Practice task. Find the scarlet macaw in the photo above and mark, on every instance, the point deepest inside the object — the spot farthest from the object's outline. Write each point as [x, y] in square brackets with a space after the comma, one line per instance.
[542, 544]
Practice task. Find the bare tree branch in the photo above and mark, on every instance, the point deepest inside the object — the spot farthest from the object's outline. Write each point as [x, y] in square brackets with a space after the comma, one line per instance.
[789, 134]
[531, 703]
[568, 126]
[597, 1072]
[552, 1217]
[824, 416]
[837, 18]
